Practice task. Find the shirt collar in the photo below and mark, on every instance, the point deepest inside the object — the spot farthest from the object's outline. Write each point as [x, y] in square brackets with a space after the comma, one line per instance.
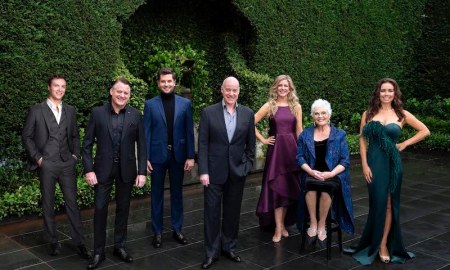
[224, 105]
[112, 109]
[53, 105]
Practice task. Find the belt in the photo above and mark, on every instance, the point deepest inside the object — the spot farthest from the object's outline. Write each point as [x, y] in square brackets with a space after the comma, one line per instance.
[169, 147]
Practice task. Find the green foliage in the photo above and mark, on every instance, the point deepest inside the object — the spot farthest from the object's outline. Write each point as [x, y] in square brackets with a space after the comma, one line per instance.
[436, 106]
[80, 39]
[431, 76]
[353, 143]
[201, 92]
[138, 87]
[335, 50]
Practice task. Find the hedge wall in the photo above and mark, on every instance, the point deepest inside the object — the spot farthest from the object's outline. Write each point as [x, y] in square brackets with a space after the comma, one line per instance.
[80, 39]
[335, 50]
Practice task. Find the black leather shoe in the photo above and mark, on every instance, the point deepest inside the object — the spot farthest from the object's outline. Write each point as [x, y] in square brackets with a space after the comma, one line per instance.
[322, 243]
[54, 249]
[96, 261]
[180, 238]
[208, 262]
[84, 252]
[232, 256]
[157, 240]
[122, 254]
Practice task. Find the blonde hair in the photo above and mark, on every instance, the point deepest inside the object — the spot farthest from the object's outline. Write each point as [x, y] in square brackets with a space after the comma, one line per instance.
[293, 102]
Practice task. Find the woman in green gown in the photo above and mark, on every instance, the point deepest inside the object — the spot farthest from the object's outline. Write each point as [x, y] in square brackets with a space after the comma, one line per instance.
[381, 126]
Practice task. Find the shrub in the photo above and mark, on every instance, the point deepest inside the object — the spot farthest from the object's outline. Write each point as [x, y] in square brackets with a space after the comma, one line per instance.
[201, 92]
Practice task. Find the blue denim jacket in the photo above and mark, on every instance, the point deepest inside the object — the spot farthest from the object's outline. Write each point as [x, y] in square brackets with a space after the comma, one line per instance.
[337, 153]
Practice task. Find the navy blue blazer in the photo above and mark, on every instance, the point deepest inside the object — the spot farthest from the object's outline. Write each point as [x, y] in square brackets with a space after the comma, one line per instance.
[156, 130]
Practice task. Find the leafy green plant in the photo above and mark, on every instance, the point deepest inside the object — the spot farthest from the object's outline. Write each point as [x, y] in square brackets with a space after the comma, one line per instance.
[201, 92]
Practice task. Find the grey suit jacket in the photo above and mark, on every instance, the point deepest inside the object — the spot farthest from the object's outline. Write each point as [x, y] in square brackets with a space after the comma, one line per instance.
[35, 131]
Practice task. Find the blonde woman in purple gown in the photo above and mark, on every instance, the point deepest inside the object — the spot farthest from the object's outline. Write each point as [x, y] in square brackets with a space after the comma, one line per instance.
[280, 186]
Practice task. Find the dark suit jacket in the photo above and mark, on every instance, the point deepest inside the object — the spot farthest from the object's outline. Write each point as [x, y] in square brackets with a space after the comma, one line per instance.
[217, 156]
[156, 130]
[35, 132]
[99, 131]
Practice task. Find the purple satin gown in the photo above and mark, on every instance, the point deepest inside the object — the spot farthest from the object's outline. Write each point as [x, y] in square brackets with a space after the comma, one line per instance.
[280, 185]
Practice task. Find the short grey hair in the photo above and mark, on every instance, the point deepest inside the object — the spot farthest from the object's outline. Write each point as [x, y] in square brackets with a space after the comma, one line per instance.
[321, 103]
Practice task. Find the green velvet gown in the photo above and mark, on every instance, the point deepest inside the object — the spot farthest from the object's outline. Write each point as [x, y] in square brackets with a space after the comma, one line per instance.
[385, 163]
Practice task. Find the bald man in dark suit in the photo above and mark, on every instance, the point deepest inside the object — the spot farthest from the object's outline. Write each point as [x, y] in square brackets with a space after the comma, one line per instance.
[226, 151]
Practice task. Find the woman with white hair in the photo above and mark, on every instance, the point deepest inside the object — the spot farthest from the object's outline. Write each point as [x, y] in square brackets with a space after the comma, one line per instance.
[323, 155]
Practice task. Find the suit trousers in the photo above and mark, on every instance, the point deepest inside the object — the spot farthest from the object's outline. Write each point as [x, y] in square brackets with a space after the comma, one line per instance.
[227, 196]
[62, 172]
[176, 175]
[102, 197]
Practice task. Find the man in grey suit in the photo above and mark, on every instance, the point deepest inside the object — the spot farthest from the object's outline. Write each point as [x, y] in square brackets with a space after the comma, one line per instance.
[226, 151]
[50, 136]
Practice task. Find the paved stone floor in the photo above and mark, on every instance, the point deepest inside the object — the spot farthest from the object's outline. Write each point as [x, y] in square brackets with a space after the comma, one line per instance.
[425, 218]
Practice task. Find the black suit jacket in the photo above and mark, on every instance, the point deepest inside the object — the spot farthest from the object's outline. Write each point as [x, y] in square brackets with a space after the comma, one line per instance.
[217, 156]
[99, 131]
[35, 132]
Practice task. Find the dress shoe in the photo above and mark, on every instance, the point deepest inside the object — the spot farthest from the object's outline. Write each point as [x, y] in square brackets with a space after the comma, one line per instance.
[84, 252]
[323, 242]
[276, 239]
[385, 259]
[122, 254]
[311, 239]
[180, 238]
[157, 240]
[54, 249]
[208, 262]
[96, 261]
[232, 256]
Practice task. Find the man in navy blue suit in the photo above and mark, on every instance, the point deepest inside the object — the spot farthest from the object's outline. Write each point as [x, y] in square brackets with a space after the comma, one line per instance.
[169, 133]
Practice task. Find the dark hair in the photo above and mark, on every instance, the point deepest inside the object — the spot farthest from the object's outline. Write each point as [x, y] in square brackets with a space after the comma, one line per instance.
[122, 80]
[166, 71]
[55, 76]
[375, 103]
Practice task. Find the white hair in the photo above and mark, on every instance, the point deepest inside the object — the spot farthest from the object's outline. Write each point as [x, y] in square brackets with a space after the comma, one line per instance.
[321, 103]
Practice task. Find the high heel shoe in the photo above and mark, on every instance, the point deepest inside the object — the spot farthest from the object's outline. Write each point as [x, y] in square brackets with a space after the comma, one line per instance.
[276, 239]
[323, 242]
[311, 239]
[285, 233]
[385, 259]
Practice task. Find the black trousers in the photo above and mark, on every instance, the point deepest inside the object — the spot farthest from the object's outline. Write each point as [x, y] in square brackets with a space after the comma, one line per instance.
[226, 197]
[62, 172]
[102, 196]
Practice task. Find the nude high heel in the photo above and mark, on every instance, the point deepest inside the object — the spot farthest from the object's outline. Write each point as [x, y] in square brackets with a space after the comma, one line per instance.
[385, 259]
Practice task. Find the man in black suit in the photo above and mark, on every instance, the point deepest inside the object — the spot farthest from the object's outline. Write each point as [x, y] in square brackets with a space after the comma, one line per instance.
[50, 136]
[117, 130]
[226, 150]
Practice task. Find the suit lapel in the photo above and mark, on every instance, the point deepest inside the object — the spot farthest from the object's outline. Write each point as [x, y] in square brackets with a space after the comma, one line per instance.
[108, 120]
[176, 109]
[126, 122]
[47, 113]
[160, 108]
[220, 119]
